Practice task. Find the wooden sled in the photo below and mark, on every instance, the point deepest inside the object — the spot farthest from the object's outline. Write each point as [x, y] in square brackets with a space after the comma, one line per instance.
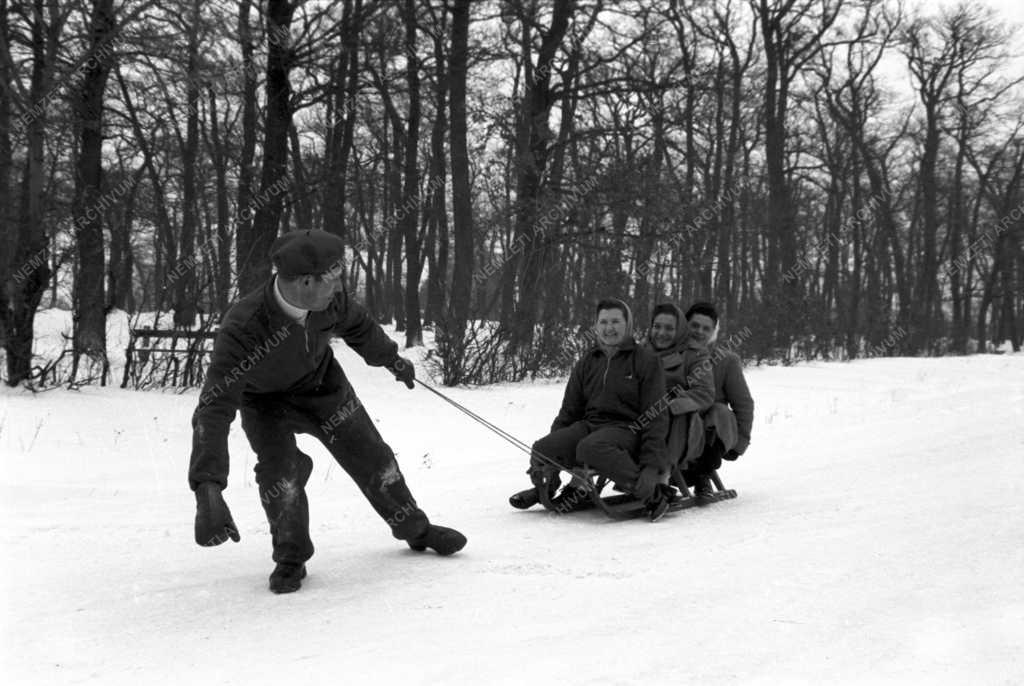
[625, 506]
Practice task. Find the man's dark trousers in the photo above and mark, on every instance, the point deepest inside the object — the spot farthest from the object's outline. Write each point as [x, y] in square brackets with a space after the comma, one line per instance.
[606, 448]
[340, 422]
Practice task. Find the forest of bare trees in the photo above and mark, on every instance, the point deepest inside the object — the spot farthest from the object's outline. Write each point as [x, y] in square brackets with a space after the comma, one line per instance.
[845, 178]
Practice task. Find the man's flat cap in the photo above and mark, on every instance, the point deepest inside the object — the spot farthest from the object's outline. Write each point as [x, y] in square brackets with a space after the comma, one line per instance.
[297, 253]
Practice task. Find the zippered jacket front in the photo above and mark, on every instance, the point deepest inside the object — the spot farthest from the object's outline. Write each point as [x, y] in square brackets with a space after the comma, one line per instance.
[628, 389]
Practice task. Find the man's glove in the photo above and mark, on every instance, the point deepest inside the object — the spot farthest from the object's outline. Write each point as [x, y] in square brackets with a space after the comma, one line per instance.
[213, 518]
[741, 447]
[404, 371]
[646, 483]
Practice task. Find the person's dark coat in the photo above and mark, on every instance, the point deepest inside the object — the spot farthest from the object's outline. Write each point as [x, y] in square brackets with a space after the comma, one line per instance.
[627, 388]
[260, 351]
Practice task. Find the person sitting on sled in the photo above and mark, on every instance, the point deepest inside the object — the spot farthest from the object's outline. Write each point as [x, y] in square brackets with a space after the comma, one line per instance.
[272, 360]
[688, 378]
[728, 421]
[612, 420]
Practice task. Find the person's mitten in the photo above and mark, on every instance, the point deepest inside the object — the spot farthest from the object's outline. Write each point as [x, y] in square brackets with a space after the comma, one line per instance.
[739, 449]
[214, 524]
[404, 371]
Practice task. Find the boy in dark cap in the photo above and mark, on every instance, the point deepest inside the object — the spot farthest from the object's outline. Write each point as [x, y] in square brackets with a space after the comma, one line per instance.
[273, 361]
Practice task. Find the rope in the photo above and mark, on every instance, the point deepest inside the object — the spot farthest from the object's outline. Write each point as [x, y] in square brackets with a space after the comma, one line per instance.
[493, 427]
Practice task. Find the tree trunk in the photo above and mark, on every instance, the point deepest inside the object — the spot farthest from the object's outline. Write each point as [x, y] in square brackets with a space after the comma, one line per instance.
[534, 149]
[410, 193]
[246, 245]
[30, 265]
[393, 275]
[300, 185]
[274, 181]
[8, 220]
[437, 237]
[222, 286]
[342, 131]
[90, 337]
[462, 208]
[122, 263]
[926, 291]
[185, 284]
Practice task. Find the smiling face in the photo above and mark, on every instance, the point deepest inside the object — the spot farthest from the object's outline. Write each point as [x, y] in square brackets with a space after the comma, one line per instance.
[663, 331]
[611, 326]
[701, 328]
[312, 291]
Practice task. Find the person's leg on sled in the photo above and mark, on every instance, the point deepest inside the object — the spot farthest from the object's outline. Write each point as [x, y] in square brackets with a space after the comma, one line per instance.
[548, 455]
[697, 470]
[615, 452]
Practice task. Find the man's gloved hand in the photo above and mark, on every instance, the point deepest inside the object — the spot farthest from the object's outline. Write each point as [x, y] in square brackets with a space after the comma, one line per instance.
[542, 473]
[741, 447]
[646, 483]
[213, 518]
[404, 371]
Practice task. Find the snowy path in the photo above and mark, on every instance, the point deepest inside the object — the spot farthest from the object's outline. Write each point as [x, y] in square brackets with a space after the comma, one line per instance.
[878, 538]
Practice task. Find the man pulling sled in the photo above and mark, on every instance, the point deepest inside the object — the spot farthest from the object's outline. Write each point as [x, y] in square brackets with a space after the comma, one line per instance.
[273, 361]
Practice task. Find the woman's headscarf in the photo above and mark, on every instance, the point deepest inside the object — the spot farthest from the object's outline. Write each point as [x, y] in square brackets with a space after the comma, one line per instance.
[672, 309]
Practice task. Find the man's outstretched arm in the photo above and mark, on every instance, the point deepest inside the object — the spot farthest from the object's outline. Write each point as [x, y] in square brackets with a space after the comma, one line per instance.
[362, 333]
[218, 403]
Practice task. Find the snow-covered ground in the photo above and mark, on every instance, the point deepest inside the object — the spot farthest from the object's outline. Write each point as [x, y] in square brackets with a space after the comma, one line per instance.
[878, 537]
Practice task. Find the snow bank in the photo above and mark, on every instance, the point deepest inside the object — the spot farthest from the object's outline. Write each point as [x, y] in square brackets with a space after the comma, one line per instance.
[877, 538]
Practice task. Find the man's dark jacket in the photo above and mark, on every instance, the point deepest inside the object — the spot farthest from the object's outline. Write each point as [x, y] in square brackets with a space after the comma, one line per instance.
[627, 388]
[259, 350]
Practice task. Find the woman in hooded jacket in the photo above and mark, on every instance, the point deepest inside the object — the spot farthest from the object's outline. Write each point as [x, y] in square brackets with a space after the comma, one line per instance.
[688, 379]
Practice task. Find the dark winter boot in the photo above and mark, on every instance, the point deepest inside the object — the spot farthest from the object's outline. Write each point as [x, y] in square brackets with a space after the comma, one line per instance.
[702, 491]
[287, 577]
[440, 539]
[524, 500]
[541, 478]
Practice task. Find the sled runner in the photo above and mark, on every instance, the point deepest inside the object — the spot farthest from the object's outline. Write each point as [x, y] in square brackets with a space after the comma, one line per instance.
[623, 505]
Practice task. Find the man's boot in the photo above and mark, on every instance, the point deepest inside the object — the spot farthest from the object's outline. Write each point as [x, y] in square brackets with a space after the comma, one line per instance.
[541, 478]
[287, 577]
[440, 539]
[525, 499]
